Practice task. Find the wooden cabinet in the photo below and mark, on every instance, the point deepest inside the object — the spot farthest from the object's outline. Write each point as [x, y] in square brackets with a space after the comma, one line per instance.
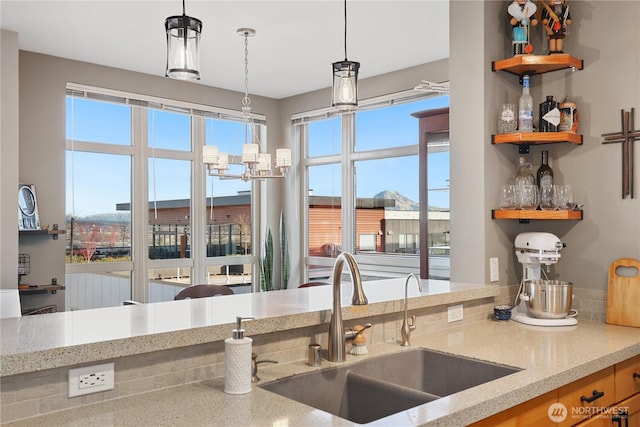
[607, 398]
[533, 413]
[587, 396]
[624, 414]
[627, 378]
[632, 408]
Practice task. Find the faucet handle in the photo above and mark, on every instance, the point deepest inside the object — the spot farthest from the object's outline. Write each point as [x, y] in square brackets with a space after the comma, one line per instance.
[254, 368]
[352, 333]
[412, 323]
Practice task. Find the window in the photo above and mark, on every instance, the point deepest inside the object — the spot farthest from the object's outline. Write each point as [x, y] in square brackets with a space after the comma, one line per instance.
[228, 210]
[364, 196]
[144, 220]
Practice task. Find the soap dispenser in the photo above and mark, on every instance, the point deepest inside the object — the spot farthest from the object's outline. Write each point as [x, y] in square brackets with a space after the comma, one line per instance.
[237, 360]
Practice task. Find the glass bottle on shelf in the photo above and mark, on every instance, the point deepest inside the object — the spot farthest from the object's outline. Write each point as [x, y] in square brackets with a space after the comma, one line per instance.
[524, 173]
[525, 108]
[549, 115]
[544, 176]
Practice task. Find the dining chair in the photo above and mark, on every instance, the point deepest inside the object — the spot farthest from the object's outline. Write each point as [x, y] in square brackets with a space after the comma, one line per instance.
[201, 291]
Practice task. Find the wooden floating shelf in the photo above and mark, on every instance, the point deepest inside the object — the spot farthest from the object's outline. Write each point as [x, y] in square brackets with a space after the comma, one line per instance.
[53, 233]
[535, 214]
[41, 289]
[535, 138]
[537, 64]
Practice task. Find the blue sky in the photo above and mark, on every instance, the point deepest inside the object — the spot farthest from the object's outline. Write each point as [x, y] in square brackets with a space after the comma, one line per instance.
[102, 180]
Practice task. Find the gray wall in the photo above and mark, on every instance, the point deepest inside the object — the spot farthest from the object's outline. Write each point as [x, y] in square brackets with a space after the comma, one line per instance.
[605, 35]
[8, 159]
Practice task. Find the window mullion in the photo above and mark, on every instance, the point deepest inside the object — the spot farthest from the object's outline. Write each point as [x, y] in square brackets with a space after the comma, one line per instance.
[348, 183]
[140, 204]
[198, 201]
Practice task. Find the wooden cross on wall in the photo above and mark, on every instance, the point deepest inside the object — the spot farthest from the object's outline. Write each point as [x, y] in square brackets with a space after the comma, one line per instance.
[626, 137]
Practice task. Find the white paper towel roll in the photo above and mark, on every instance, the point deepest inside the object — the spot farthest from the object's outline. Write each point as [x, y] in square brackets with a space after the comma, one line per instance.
[237, 365]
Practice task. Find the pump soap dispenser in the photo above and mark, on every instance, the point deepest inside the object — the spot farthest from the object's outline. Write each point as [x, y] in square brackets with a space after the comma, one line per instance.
[237, 361]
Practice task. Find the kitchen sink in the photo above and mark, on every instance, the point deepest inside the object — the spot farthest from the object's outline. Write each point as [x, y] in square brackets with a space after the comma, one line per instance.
[380, 386]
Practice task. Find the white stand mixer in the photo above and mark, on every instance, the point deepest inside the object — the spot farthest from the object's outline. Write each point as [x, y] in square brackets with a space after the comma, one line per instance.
[533, 250]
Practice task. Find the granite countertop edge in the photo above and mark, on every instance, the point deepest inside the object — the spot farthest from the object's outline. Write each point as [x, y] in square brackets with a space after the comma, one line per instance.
[23, 360]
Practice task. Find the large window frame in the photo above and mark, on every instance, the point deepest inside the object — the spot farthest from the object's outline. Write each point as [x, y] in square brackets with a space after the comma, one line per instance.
[140, 153]
[385, 265]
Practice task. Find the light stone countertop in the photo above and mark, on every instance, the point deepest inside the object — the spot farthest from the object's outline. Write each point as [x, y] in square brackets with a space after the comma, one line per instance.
[47, 341]
[550, 357]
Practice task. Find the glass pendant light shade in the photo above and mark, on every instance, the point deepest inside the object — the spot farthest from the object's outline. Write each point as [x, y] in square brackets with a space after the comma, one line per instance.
[283, 157]
[345, 84]
[183, 47]
[264, 163]
[210, 154]
[250, 153]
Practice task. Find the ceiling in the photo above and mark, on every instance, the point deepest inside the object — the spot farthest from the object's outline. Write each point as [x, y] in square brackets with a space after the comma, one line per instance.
[292, 52]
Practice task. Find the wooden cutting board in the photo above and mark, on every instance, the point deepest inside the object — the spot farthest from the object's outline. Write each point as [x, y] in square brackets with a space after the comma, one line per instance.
[623, 294]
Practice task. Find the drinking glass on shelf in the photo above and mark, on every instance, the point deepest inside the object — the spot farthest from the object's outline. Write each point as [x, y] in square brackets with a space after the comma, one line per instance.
[565, 197]
[507, 199]
[548, 198]
[507, 119]
[528, 197]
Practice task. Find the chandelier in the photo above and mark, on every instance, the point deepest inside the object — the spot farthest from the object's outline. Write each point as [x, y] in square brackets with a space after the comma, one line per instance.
[183, 46]
[257, 163]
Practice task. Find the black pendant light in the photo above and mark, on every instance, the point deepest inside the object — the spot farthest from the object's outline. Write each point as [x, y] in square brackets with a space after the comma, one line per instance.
[345, 78]
[183, 46]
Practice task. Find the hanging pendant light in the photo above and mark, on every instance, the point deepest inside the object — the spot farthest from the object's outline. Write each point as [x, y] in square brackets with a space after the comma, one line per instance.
[183, 46]
[257, 164]
[345, 78]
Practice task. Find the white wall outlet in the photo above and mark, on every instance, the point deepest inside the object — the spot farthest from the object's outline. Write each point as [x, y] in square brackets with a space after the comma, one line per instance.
[91, 379]
[494, 270]
[454, 313]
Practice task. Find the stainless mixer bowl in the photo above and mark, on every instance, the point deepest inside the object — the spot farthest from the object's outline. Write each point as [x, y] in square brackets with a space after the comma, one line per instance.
[548, 299]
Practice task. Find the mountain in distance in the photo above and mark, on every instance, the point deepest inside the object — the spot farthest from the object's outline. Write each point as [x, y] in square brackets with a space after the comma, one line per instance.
[403, 203]
[105, 218]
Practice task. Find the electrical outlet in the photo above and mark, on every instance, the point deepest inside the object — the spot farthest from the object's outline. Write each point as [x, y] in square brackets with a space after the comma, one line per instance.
[91, 379]
[454, 313]
[494, 270]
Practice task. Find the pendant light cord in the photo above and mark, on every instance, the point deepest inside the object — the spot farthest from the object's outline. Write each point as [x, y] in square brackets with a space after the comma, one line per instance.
[345, 30]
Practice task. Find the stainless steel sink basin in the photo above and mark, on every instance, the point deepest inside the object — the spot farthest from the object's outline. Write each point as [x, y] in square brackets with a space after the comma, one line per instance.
[377, 387]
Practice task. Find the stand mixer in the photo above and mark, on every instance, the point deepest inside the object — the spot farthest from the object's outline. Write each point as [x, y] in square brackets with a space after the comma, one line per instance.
[534, 250]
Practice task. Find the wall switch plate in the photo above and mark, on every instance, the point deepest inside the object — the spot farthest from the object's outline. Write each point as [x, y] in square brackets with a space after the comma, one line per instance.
[454, 313]
[494, 270]
[91, 379]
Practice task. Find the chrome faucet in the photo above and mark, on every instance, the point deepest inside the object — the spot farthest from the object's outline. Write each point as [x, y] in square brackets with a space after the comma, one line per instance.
[408, 326]
[337, 334]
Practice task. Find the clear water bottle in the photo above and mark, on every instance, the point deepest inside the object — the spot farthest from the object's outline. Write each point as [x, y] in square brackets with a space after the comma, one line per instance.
[525, 108]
